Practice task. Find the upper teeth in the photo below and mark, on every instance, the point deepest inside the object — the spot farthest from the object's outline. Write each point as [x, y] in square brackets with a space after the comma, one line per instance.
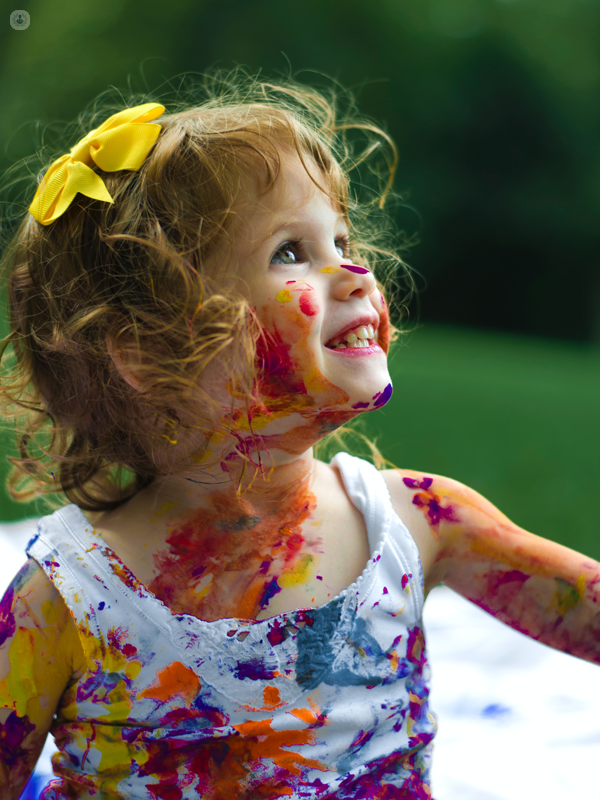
[356, 338]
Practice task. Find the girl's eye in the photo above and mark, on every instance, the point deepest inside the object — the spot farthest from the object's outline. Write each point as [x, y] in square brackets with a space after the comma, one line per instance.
[287, 253]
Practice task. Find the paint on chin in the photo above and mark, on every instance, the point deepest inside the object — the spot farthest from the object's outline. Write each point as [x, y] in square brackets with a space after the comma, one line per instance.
[381, 398]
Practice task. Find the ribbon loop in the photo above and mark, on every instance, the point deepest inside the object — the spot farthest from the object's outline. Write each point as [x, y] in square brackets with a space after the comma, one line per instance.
[123, 141]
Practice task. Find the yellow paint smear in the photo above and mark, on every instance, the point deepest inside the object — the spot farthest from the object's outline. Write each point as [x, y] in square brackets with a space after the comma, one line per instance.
[132, 670]
[331, 269]
[284, 296]
[298, 575]
[20, 685]
[166, 507]
[50, 612]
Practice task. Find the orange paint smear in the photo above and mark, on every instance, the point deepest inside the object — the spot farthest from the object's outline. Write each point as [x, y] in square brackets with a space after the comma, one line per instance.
[258, 740]
[176, 680]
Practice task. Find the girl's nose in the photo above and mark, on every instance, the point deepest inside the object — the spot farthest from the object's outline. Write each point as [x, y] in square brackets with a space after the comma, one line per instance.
[352, 281]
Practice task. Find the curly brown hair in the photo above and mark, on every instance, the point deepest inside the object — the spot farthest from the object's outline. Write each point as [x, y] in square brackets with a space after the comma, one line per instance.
[134, 273]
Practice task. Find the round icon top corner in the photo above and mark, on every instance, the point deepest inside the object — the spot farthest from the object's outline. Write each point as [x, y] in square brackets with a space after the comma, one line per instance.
[19, 20]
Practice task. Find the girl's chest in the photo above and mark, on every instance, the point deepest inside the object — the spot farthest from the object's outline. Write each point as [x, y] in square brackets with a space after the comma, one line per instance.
[248, 566]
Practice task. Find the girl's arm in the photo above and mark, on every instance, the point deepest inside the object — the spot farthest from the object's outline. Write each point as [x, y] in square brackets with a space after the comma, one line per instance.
[40, 655]
[541, 588]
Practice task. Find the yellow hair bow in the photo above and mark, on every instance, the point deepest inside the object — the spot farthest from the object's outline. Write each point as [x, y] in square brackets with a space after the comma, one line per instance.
[122, 142]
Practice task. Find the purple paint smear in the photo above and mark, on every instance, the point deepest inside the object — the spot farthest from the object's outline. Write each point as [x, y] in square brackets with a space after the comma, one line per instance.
[7, 618]
[12, 735]
[254, 669]
[361, 405]
[271, 589]
[354, 268]
[435, 512]
[411, 483]
[381, 398]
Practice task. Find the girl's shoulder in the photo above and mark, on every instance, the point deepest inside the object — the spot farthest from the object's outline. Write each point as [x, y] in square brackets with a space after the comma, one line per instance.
[438, 511]
[40, 656]
[33, 603]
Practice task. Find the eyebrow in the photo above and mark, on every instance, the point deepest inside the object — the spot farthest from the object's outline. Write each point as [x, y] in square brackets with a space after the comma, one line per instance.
[299, 222]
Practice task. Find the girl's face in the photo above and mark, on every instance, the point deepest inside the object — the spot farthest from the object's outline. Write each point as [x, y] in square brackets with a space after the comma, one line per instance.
[326, 321]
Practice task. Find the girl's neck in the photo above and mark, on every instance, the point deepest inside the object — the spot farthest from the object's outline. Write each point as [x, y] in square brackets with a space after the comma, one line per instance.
[241, 482]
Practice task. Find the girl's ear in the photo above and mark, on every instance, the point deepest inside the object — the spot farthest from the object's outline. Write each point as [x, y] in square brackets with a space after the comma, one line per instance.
[122, 358]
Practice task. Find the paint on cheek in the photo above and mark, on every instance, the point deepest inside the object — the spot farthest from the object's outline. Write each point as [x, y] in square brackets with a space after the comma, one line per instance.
[356, 269]
[7, 618]
[381, 398]
[284, 296]
[12, 735]
[361, 405]
[308, 304]
[331, 270]
[383, 331]
[276, 369]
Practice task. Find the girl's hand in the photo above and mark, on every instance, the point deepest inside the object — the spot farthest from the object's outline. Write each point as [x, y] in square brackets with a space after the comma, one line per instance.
[40, 655]
[541, 588]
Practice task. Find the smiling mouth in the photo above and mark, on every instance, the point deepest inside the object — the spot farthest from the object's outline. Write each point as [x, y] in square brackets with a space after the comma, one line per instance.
[356, 338]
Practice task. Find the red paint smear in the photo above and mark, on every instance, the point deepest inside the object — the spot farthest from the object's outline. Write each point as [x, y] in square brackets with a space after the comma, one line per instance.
[308, 304]
[383, 330]
[277, 372]
[510, 576]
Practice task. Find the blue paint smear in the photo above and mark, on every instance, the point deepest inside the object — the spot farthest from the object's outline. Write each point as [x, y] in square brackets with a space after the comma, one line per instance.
[271, 589]
[495, 710]
[366, 664]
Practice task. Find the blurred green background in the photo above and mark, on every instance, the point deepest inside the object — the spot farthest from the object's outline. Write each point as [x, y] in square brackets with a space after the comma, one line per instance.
[494, 107]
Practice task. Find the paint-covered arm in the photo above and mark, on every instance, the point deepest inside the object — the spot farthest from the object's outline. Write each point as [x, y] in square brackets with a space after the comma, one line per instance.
[545, 590]
[40, 655]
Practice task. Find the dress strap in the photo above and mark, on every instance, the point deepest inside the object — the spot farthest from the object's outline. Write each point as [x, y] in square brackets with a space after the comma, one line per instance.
[369, 493]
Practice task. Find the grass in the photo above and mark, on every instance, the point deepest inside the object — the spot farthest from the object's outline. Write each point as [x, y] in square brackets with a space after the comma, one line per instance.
[517, 419]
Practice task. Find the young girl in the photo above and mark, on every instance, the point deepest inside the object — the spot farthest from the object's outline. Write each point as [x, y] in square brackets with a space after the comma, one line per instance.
[218, 614]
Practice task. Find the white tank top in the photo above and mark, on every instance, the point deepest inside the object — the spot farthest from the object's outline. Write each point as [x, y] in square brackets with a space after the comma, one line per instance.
[312, 703]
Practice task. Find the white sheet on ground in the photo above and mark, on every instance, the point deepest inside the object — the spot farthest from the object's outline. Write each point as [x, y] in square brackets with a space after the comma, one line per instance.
[517, 720]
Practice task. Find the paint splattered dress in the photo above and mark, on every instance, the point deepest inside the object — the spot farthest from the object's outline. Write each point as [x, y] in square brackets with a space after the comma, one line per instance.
[328, 702]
